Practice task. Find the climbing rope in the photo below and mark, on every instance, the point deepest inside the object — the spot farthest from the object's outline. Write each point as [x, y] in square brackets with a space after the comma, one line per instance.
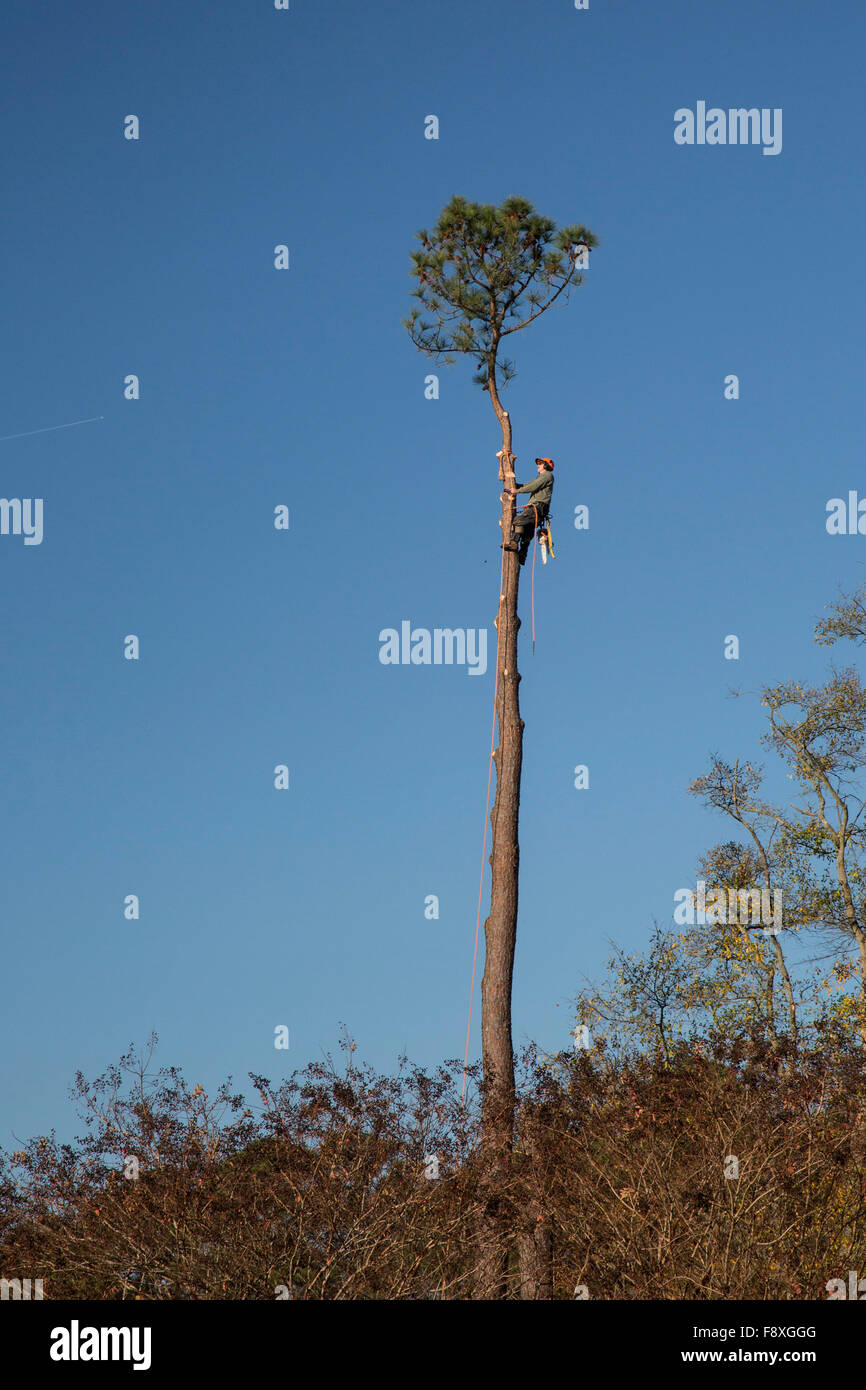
[532, 586]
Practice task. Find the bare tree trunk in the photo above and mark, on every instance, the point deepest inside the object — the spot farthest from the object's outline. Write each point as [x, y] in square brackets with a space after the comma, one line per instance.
[860, 938]
[777, 947]
[535, 1241]
[850, 911]
[787, 986]
[500, 929]
[535, 1251]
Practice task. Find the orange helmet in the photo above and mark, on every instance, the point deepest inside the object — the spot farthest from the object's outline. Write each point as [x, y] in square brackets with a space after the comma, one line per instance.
[548, 464]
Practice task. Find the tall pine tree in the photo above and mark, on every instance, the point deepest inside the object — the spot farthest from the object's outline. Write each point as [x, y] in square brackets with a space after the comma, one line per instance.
[485, 273]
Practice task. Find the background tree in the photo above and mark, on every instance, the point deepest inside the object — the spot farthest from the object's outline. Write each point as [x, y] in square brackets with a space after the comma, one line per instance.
[846, 619]
[820, 732]
[484, 273]
[646, 1002]
[734, 789]
[813, 849]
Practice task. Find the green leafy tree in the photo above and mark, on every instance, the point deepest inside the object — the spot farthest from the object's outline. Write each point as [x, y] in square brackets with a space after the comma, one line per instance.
[820, 732]
[846, 620]
[734, 789]
[644, 1004]
[812, 850]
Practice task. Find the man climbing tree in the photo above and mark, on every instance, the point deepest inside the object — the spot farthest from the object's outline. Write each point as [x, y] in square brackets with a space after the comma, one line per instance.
[529, 518]
[484, 273]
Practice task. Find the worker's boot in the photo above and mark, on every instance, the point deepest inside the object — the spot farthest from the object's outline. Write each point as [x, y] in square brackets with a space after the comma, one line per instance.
[513, 539]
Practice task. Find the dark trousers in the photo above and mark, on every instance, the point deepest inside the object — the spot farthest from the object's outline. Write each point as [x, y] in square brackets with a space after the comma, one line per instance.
[524, 524]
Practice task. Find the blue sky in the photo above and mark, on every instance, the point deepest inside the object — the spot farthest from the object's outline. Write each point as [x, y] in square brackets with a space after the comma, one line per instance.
[260, 387]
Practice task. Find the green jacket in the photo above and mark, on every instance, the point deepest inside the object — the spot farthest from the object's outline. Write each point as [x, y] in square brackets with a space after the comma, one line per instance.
[540, 489]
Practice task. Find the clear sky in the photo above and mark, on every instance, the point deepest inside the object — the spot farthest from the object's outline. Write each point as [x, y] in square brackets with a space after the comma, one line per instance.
[261, 387]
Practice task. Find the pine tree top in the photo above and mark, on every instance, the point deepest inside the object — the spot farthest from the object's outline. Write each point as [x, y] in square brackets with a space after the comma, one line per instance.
[485, 272]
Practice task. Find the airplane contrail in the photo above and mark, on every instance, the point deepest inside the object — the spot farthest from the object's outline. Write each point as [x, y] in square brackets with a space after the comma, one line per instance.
[49, 428]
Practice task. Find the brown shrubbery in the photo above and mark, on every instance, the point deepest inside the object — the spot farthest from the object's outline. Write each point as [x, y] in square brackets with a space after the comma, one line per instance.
[622, 1181]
